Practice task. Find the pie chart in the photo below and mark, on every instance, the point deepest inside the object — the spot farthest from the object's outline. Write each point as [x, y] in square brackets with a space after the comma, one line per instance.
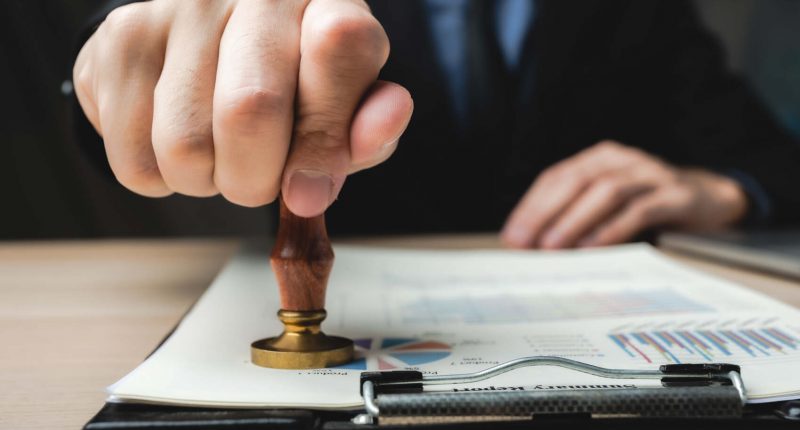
[395, 353]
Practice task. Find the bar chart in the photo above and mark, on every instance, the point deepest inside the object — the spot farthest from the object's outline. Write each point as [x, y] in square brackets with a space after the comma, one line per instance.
[709, 344]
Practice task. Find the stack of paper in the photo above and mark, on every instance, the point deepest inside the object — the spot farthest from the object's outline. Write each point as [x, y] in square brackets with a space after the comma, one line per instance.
[445, 312]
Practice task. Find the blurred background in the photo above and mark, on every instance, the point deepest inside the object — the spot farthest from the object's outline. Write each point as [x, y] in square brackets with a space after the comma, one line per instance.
[50, 191]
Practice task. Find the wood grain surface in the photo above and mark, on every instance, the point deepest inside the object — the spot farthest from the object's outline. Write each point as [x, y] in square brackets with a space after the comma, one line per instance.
[77, 316]
[301, 259]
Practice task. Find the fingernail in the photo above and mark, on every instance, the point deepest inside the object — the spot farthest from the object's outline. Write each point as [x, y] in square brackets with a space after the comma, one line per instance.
[551, 239]
[309, 192]
[516, 236]
[388, 146]
[588, 241]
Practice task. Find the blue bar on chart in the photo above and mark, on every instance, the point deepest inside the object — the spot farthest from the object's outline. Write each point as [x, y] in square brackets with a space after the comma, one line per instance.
[681, 346]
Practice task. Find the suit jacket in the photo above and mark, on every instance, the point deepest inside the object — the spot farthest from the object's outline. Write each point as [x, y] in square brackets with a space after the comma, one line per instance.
[644, 72]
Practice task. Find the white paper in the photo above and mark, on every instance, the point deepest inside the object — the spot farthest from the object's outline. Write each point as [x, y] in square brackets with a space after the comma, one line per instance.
[445, 312]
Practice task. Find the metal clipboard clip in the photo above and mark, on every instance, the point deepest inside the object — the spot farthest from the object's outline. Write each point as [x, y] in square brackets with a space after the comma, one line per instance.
[707, 390]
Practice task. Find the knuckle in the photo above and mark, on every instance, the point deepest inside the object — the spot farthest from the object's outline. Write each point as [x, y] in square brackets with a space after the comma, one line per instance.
[612, 148]
[637, 154]
[554, 173]
[359, 35]
[666, 178]
[82, 81]
[608, 145]
[126, 24]
[545, 177]
[81, 69]
[611, 188]
[244, 109]
[577, 176]
[683, 197]
[353, 28]
[668, 174]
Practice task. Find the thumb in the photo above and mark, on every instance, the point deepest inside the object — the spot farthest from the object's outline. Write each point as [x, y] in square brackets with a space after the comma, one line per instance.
[378, 124]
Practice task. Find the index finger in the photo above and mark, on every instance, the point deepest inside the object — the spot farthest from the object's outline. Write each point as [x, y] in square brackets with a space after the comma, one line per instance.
[342, 49]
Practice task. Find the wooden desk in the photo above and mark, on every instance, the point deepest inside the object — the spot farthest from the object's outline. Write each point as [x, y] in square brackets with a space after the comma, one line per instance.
[76, 316]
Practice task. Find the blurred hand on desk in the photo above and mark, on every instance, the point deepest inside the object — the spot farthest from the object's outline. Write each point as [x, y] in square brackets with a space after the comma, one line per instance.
[202, 98]
[609, 193]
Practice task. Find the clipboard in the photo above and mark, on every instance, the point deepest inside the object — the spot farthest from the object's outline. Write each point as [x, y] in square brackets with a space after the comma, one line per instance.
[710, 396]
[706, 395]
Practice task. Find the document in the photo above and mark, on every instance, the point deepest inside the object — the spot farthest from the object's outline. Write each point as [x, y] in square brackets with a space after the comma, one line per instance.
[446, 312]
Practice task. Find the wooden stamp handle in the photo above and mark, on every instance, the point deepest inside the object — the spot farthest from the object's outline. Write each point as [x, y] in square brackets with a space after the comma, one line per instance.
[302, 260]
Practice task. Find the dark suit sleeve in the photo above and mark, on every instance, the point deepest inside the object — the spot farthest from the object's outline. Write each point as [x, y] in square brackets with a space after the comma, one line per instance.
[90, 142]
[717, 120]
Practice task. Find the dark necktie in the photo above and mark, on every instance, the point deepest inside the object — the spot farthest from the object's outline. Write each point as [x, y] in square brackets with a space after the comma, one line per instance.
[487, 78]
[490, 110]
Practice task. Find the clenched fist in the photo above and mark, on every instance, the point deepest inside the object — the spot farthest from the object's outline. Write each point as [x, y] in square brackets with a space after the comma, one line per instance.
[245, 98]
[610, 192]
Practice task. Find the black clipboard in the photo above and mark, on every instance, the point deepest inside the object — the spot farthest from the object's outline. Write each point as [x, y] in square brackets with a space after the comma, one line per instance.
[707, 395]
[156, 417]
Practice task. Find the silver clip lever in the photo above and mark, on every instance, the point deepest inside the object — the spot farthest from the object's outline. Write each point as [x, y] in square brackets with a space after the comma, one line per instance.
[689, 390]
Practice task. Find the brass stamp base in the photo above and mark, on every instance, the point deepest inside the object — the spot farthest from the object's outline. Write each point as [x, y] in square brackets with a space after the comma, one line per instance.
[302, 345]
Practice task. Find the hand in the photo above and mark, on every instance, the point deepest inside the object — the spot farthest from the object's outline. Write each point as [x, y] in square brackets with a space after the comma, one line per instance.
[608, 193]
[204, 97]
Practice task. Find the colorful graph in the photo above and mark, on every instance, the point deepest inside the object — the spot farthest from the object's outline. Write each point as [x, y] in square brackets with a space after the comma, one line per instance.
[682, 346]
[396, 353]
